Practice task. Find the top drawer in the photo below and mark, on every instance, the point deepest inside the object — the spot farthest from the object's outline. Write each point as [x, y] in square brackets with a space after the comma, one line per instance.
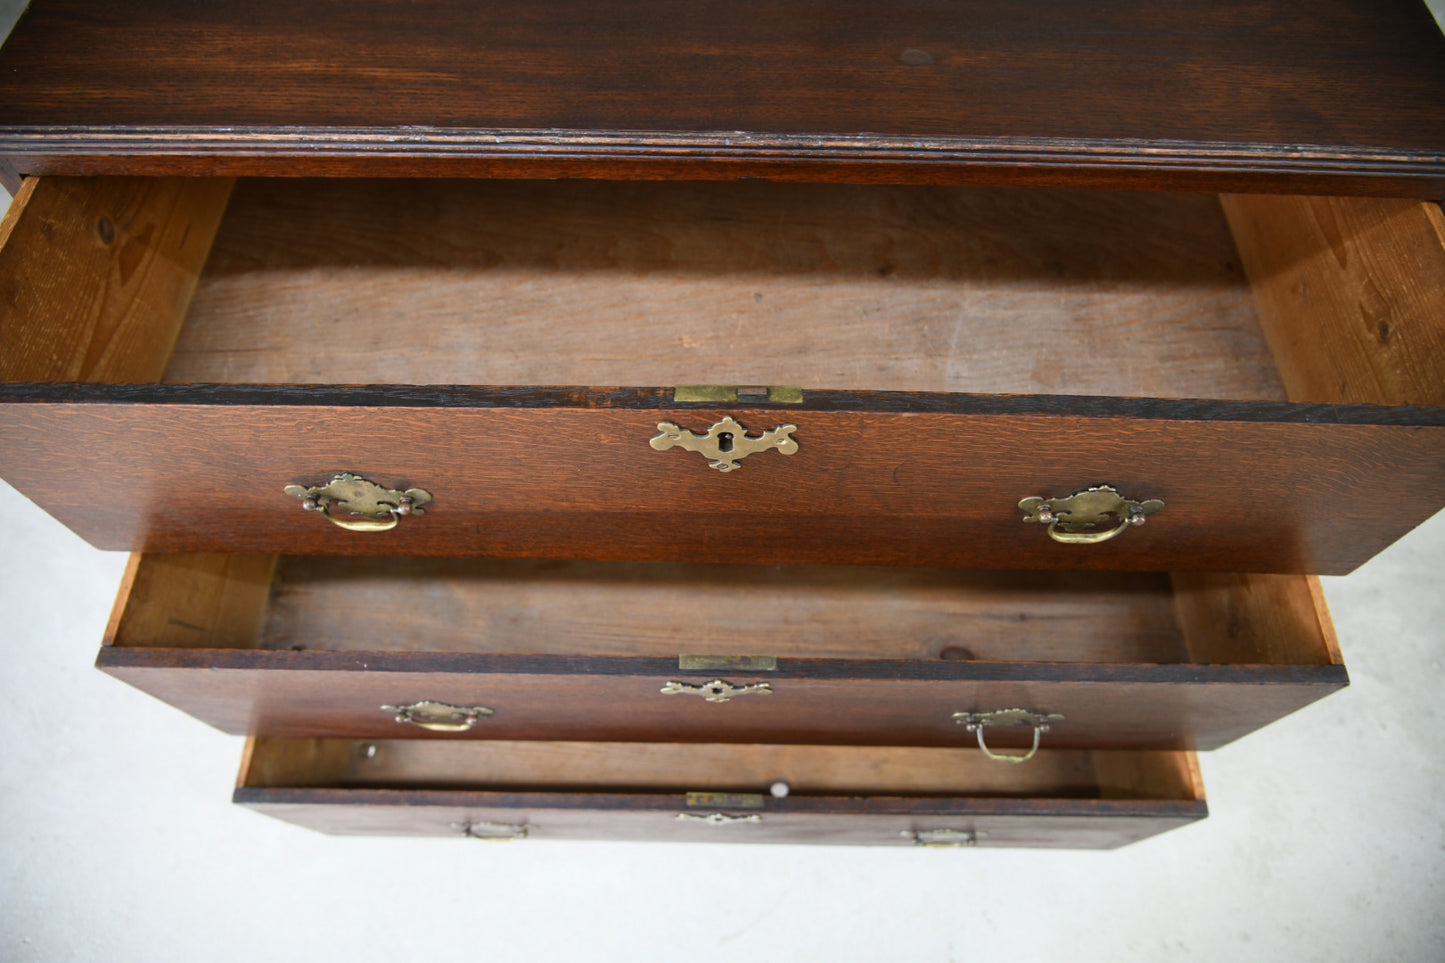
[178, 354]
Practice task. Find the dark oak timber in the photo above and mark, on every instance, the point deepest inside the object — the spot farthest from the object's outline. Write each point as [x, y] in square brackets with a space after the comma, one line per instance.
[1287, 488]
[1329, 96]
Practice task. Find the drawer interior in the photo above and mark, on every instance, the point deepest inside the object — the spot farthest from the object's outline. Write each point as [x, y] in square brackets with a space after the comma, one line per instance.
[736, 768]
[839, 286]
[666, 609]
[854, 287]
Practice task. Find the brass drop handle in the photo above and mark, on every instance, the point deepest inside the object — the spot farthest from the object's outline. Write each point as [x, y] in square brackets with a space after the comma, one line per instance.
[439, 716]
[1088, 517]
[364, 506]
[977, 722]
[493, 832]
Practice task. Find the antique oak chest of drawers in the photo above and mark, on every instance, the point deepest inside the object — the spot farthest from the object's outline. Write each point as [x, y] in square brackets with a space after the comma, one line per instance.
[569, 421]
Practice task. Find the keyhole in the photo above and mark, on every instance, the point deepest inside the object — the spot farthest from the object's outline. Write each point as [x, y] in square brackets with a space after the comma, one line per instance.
[724, 441]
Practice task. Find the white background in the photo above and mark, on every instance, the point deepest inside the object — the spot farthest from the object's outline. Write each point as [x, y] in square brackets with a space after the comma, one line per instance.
[1326, 838]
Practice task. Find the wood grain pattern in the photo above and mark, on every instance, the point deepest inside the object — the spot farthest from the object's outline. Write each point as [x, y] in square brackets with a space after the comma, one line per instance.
[197, 600]
[1277, 619]
[596, 790]
[660, 610]
[96, 275]
[708, 767]
[866, 487]
[826, 286]
[1351, 294]
[1330, 95]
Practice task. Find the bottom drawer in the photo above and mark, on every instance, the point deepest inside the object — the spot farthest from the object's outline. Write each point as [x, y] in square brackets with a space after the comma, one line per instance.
[736, 793]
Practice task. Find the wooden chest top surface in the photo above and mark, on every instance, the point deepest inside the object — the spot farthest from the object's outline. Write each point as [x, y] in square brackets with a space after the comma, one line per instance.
[1328, 96]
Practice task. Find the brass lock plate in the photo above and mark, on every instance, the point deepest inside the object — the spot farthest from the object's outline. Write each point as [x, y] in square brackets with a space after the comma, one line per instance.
[717, 690]
[726, 443]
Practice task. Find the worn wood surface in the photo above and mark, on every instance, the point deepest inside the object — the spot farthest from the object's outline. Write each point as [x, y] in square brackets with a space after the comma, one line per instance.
[662, 610]
[866, 486]
[194, 600]
[598, 765]
[597, 790]
[96, 274]
[1351, 294]
[1276, 619]
[826, 286]
[1329, 95]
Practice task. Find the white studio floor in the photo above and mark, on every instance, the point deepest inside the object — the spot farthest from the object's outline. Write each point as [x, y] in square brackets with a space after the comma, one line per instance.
[1326, 839]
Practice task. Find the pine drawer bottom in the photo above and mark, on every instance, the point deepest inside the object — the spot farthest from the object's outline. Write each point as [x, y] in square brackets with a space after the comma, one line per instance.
[856, 795]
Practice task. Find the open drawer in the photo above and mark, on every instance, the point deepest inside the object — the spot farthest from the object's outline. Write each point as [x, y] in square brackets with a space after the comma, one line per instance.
[178, 357]
[719, 793]
[455, 649]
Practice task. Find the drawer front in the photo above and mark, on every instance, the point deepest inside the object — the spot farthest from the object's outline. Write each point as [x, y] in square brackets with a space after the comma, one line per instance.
[888, 479]
[961, 823]
[806, 700]
[718, 793]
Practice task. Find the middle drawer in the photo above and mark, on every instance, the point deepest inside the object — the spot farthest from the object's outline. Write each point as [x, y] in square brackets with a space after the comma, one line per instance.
[369, 648]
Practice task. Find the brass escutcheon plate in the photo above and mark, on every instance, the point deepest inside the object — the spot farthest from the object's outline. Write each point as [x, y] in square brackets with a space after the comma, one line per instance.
[717, 690]
[726, 443]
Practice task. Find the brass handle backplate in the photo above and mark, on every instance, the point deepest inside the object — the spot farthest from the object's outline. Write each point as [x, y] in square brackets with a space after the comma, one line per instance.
[725, 443]
[358, 505]
[1088, 517]
[492, 832]
[976, 722]
[942, 838]
[439, 716]
[717, 690]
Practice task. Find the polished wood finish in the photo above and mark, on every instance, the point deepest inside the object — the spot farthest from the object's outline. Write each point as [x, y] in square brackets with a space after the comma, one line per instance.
[551, 474]
[96, 275]
[826, 286]
[576, 650]
[1351, 294]
[1326, 96]
[842, 795]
